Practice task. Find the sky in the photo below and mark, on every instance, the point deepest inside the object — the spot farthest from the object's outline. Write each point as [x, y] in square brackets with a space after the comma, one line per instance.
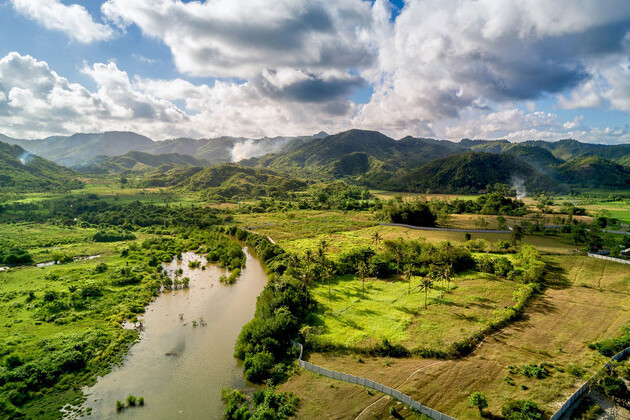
[447, 69]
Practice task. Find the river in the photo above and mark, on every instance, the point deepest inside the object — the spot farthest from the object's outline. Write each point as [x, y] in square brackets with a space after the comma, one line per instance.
[179, 368]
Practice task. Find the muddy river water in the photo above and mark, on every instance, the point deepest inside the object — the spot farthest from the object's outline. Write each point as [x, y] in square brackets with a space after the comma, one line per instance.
[177, 367]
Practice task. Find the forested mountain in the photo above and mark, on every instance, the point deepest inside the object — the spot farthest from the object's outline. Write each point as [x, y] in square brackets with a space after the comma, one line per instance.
[139, 162]
[23, 171]
[594, 172]
[471, 172]
[356, 153]
[372, 159]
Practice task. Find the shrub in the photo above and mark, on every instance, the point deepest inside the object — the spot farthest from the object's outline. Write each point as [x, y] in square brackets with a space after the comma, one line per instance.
[521, 410]
[257, 366]
[113, 236]
[131, 400]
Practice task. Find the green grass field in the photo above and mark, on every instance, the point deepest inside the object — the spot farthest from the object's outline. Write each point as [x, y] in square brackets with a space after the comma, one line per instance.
[388, 311]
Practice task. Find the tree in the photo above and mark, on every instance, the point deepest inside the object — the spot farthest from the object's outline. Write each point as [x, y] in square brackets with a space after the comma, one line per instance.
[376, 238]
[397, 248]
[408, 272]
[479, 400]
[516, 235]
[426, 283]
[444, 218]
[362, 273]
[321, 249]
[446, 273]
[480, 222]
[502, 223]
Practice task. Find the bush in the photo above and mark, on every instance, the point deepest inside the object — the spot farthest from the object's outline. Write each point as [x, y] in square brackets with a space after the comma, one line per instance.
[112, 236]
[612, 346]
[131, 400]
[257, 366]
[521, 410]
[614, 387]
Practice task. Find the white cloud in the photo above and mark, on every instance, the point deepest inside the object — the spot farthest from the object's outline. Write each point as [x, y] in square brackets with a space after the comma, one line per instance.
[72, 19]
[443, 59]
[240, 38]
[453, 69]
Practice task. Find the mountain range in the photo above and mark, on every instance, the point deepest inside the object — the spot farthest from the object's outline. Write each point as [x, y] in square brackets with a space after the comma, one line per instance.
[367, 158]
[84, 149]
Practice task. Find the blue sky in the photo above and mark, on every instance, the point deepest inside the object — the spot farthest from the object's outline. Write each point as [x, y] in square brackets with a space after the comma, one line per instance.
[446, 69]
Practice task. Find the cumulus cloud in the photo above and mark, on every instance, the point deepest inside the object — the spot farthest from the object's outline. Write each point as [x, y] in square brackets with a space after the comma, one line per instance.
[239, 38]
[40, 102]
[440, 59]
[448, 69]
[72, 19]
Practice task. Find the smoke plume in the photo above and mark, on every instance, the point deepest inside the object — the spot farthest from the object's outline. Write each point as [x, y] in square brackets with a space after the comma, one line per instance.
[518, 184]
[253, 148]
[25, 158]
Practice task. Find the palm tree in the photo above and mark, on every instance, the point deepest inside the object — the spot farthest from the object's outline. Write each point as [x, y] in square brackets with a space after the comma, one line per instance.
[427, 282]
[362, 273]
[321, 249]
[448, 274]
[376, 238]
[408, 272]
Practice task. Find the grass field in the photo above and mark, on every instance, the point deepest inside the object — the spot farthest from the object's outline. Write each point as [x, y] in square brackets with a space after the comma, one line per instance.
[388, 311]
[586, 300]
[361, 235]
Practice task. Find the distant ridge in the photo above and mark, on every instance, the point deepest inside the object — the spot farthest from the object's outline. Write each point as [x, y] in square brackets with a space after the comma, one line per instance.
[23, 171]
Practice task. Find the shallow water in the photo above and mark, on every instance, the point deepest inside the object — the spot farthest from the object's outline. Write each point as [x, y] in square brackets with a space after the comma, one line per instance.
[180, 369]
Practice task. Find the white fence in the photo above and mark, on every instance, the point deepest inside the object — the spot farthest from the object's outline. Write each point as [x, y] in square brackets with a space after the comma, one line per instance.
[568, 405]
[604, 257]
[429, 412]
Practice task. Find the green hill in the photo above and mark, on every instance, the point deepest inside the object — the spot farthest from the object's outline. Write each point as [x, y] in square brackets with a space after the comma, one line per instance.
[234, 181]
[538, 157]
[471, 172]
[363, 156]
[594, 172]
[23, 171]
[139, 162]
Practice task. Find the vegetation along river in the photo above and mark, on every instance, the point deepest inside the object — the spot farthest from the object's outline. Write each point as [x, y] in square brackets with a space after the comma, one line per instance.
[177, 367]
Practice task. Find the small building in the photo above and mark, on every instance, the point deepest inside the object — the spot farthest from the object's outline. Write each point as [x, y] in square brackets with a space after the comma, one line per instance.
[625, 252]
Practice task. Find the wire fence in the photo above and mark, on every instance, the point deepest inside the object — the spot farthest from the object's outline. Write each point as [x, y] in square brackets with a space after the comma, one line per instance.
[604, 257]
[346, 377]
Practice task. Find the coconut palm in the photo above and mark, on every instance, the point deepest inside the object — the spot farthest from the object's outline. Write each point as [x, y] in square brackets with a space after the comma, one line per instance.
[426, 283]
[408, 272]
[321, 249]
[448, 274]
[376, 238]
[362, 273]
